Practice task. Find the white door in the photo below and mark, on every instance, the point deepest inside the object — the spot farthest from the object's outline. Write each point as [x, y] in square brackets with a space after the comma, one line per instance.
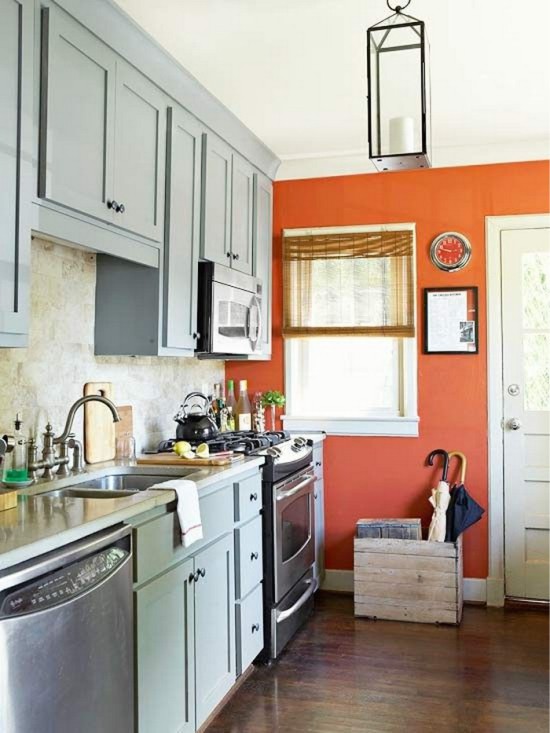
[526, 402]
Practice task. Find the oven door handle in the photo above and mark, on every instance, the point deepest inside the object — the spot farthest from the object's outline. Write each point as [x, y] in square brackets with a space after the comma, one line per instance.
[283, 615]
[310, 478]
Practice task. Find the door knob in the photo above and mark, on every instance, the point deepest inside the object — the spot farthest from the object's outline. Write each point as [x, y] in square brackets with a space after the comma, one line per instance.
[514, 423]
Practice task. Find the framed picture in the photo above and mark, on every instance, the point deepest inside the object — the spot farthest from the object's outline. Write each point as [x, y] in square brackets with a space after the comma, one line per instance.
[450, 320]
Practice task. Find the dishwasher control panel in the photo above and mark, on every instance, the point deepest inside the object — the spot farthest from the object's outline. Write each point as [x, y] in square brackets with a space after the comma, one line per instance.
[59, 586]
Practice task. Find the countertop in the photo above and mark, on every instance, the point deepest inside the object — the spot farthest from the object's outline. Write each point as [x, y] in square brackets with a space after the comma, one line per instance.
[42, 523]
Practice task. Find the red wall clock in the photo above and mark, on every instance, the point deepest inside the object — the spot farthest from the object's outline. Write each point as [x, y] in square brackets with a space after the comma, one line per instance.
[450, 251]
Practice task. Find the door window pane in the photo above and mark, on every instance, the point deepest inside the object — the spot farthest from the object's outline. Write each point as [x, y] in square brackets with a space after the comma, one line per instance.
[536, 290]
[536, 354]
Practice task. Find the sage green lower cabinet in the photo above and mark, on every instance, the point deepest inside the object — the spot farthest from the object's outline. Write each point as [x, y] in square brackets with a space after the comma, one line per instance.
[214, 626]
[165, 653]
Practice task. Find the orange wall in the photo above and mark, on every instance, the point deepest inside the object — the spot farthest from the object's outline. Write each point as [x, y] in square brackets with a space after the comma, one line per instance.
[370, 477]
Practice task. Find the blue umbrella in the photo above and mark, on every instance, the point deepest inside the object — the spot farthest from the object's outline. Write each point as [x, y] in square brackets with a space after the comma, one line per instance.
[463, 510]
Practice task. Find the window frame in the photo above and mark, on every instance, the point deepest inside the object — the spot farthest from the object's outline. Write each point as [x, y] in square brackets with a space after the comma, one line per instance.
[404, 425]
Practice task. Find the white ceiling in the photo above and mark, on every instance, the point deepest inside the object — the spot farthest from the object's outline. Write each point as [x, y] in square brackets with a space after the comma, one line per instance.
[294, 72]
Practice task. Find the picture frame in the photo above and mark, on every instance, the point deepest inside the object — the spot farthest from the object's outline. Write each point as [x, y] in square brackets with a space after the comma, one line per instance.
[451, 320]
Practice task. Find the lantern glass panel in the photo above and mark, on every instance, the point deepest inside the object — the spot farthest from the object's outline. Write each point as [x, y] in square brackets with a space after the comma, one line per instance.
[396, 88]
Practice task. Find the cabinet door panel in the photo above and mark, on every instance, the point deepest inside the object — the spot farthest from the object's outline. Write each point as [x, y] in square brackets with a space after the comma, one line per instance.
[139, 153]
[165, 653]
[16, 43]
[242, 200]
[263, 243]
[182, 222]
[77, 116]
[216, 204]
[214, 626]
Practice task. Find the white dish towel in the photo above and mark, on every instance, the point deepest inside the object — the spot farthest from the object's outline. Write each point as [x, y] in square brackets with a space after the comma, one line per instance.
[189, 513]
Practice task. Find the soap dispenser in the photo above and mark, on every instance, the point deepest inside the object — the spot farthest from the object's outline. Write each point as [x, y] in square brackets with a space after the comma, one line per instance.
[14, 468]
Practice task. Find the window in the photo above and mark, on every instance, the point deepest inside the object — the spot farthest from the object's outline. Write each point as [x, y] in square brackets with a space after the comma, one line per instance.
[349, 328]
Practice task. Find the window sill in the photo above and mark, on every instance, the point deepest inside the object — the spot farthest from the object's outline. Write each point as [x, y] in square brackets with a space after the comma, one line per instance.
[399, 427]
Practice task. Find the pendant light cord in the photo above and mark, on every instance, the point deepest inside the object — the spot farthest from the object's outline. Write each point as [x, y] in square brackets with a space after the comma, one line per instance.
[398, 8]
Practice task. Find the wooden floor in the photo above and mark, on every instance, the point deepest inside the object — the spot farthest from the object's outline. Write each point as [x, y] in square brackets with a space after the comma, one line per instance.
[347, 675]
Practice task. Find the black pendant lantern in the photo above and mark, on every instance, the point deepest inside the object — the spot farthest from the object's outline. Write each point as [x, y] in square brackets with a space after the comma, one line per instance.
[398, 92]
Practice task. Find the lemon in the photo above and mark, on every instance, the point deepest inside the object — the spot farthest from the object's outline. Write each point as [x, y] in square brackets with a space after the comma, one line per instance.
[203, 451]
[189, 454]
[181, 447]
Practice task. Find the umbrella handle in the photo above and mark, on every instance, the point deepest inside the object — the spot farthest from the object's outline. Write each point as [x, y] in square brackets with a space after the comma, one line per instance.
[440, 452]
[463, 464]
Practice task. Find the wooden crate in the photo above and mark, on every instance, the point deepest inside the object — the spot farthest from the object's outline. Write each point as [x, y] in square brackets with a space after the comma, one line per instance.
[398, 529]
[408, 580]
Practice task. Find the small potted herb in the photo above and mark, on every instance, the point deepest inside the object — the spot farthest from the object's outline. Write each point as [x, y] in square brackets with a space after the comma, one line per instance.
[273, 399]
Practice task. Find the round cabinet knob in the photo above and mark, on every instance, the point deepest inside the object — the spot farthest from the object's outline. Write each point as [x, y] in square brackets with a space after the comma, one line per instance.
[235, 257]
[112, 205]
[255, 627]
[254, 497]
[202, 572]
[254, 556]
[514, 424]
[191, 578]
[121, 209]
[318, 464]
[228, 254]
[196, 336]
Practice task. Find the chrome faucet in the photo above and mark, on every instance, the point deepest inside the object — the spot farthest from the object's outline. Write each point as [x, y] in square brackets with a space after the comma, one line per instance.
[65, 441]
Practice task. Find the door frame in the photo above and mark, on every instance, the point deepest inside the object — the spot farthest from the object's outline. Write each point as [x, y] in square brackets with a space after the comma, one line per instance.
[494, 226]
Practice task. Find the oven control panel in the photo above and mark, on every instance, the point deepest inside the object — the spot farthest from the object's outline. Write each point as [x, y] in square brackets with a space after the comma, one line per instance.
[63, 584]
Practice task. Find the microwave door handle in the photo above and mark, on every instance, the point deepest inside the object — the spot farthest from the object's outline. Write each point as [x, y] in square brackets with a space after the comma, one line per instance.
[254, 304]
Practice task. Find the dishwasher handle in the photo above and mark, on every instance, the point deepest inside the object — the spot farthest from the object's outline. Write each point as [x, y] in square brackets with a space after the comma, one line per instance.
[66, 555]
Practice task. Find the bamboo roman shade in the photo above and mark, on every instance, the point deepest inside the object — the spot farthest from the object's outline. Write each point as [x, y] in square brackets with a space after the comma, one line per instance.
[350, 284]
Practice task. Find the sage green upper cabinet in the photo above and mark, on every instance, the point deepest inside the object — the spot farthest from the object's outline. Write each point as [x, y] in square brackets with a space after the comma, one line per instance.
[102, 131]
[165, 652]
[139, 153]
[16, 62]
[263, 239]
[77, 116]
[242, 203]
[214, 626]
[216, 200]
[182, 240]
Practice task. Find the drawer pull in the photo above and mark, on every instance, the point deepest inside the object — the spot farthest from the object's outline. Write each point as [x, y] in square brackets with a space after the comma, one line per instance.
[254, 556]
[202, 572]
[255, 627]
[254, 497]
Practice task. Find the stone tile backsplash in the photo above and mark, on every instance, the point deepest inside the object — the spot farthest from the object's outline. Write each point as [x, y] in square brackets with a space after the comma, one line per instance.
[43, 380]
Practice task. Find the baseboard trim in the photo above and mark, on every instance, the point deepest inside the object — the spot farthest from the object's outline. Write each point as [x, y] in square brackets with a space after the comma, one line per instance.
[341, 581]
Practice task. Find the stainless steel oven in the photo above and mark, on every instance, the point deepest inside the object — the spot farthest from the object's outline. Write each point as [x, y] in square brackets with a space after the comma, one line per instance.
[293, 530]
[230, 312]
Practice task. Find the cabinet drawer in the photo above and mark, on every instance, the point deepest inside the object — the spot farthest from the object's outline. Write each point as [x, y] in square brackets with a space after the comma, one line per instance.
[250, 629]
[248, 498]
[157, 544]
[318, 461]
[248, 554]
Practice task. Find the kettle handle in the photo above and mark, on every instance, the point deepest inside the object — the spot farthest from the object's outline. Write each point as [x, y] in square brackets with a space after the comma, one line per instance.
[186, 401]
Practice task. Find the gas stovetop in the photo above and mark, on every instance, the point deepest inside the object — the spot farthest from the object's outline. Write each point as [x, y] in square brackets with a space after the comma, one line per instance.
[278, 446]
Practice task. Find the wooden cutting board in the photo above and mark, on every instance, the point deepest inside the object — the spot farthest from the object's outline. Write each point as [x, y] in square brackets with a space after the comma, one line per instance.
[171, 459]
[126, 424]
[99, 428]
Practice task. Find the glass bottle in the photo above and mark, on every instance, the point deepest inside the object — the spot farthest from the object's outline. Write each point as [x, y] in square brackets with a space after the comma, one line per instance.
[244, 411]
[231, 402]
[216, 408]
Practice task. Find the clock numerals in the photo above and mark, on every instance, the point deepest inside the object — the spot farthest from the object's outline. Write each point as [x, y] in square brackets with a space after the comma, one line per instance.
[450, 251]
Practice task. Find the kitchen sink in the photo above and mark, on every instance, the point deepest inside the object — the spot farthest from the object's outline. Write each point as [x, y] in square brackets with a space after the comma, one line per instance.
[90, 493]
[115, 486]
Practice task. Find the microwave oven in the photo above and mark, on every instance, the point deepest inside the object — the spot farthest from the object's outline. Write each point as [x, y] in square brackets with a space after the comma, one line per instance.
[229, 312]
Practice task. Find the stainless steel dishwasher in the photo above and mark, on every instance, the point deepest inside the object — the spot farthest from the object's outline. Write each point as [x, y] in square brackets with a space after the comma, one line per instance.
[66, 639]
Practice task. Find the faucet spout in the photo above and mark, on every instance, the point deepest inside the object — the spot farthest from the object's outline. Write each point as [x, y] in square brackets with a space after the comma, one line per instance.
[72, 412]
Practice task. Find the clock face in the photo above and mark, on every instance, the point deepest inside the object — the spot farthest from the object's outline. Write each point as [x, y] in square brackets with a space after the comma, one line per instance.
[450, 251]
